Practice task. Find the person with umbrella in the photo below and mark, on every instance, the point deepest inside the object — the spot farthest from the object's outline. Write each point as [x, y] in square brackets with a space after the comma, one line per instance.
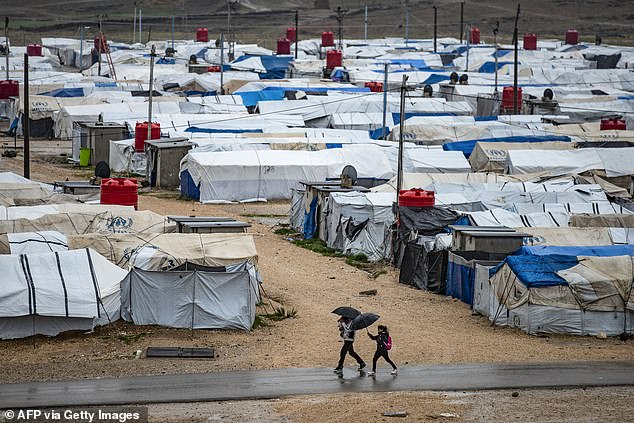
[347, 332]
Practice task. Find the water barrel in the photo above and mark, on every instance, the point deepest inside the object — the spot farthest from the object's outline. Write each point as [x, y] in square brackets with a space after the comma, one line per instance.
[213, 68]
[507, 99]
[475, 35]
[9, 88]
[119, 191]
[140, 134]
[34, 50]
[613, 124]
[327, 39]
[416, 197]
[572, 36]
[374, 86]
[291, 34]
[333, 59]
[202, 35]
[283, 46]
[530, 41]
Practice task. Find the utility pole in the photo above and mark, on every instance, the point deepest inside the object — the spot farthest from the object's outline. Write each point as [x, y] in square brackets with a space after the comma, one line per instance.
[406, 21]
[365, 23]
[385, 74]
[399, 175]
[6, 42]
[99, 44]
[149, 33]
[296, 31]
[435, 28]
[222, 63]
[495, 41]
[134, 26]
[340, 15]
[81, 48]
[149, 112]
[461, 20]
[515, 104]
[172, 32]
[468, 37]
[140, 30]
[26, 120]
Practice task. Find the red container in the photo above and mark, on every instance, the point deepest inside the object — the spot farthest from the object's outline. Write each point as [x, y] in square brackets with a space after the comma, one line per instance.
[334, 59]
[475, 35]
[202, 35]
[104, 45]
[416, 197]
[140, 134]
[507, 99]
[530, 41]
[374, 86]
[613, 124]
[572, 36]
[214, 68]
[283, 46]
[119, 191]
[327, 39]
[34, 50]
[291, 34]
[9, 88]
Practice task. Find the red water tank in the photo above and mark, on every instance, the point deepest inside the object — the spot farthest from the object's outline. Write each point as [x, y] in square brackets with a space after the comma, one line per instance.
[202, 35]
[374, 86]
[140, 134]
[327, 39]
[104, 45]
[333, 59]
[613, 124]
[507, 99]
[213, 68]
[9, 88]
[416, 197]
[34, 50]
[572, 36]
[283, 46]
[119, 191]
[291, 34]
[530, 41]
[475, 35]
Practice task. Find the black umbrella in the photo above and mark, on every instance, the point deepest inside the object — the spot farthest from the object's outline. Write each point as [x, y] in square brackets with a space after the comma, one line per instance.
[363, 320]
[348, 312]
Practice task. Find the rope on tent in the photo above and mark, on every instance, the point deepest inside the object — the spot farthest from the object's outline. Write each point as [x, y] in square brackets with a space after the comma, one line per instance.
[501, 303]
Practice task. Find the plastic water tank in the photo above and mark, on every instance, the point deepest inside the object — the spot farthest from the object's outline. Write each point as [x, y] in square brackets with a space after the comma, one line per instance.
[416, 197]
[374, 86]
[613, 124]
[119, 191]
[327, 39]
[334, 58]
[213, 68]
[475, 35]
[283, 46]
[202, 35]
[140, 134]
[530, 41]
[572, 36]
[34, 50]
[507, 99]
[9, 88]
[291, 34]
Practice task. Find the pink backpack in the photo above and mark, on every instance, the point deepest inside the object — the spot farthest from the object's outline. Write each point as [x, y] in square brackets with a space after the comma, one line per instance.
[389, 343]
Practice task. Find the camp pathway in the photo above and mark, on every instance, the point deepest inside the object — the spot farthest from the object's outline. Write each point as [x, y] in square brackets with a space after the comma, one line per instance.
[261, 384]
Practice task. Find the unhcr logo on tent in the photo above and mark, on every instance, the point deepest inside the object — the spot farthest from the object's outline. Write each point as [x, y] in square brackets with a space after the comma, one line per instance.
[119, 224]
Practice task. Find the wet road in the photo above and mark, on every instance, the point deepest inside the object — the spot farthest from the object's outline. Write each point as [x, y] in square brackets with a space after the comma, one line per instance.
[284, 382]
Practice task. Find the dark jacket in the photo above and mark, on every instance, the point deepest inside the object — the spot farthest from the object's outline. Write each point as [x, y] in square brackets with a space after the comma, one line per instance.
[381, 340]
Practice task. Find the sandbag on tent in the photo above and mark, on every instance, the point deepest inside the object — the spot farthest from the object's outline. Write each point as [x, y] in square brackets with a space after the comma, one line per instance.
[195, 299]
[602, 221]
[32, 242]
[51, 293]
[166, 251]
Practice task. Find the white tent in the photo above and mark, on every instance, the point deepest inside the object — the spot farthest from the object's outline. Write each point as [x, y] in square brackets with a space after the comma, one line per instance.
[55, 292]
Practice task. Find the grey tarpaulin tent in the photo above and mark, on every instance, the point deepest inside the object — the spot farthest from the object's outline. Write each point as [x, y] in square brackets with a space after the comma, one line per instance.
[193, 299]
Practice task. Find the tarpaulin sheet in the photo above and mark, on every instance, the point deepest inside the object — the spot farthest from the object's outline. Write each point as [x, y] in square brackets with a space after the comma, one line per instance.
[600, 251]
[466, 147]
[538, 271]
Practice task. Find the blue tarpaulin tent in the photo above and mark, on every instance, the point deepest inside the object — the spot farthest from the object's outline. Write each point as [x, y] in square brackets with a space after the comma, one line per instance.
[467, 146]
[251, 98]
[597, 251]
[65, 92]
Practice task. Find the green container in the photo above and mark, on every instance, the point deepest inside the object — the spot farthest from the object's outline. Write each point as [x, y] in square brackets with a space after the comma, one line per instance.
[84, 157]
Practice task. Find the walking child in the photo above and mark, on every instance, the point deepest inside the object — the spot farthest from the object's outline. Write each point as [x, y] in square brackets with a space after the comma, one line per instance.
[383, 345]
[347, 333]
